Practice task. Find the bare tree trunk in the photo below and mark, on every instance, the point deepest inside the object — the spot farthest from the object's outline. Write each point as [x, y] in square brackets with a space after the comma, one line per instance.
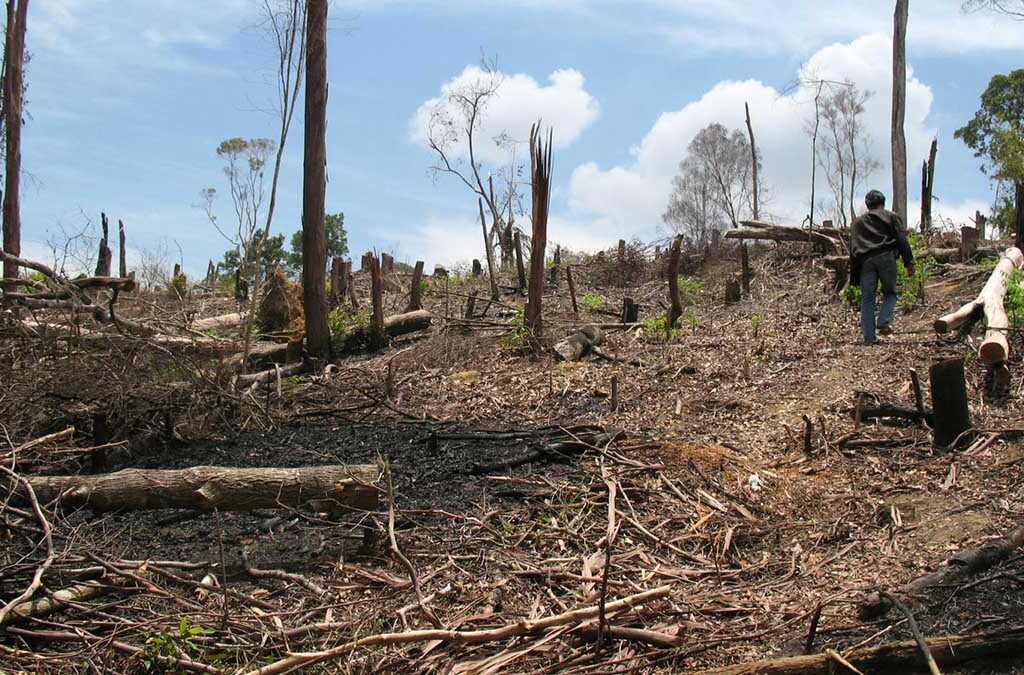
[899, 103]
[540, 164]
[14, 62]
[489, 250]
[927, 180]
[103, 257]
[377, 297]
[572, 291]
[314, 182]
[753, 162]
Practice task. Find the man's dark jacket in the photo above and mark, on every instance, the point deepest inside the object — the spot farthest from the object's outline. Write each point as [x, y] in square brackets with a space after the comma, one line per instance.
[873, 232]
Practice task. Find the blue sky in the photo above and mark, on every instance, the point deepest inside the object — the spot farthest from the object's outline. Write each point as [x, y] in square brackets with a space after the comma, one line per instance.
[129, 100]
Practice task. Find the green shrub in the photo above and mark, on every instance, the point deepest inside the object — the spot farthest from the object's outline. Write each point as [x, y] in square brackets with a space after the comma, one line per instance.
[173, 645]
[350, 331]
[655, 329]
[519, 337]
[689, 289]
[593, 301]
[178, 286]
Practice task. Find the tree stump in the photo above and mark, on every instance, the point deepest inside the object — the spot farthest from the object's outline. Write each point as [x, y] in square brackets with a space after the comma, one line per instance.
[630, 310]
[733, 291]
[949, 401]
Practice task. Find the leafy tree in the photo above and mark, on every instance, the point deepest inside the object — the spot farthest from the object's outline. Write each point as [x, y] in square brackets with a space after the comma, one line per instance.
[713, 189]
[337, 242]
[996, 132]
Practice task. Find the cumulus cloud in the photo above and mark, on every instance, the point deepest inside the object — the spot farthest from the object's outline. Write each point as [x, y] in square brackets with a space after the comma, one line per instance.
[630, 199]
[519, 100]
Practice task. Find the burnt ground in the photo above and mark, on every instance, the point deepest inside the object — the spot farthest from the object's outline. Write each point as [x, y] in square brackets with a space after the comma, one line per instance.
[715, 494]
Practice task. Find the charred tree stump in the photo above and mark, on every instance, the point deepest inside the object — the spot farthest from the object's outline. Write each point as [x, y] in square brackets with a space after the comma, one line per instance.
[205, 488]
[103, 258]
[630, 310]
[100, 437]
[733, 293]
[553, 275]
[572, 291]
[350, 283]
[470, 305]
[927, 183]
[979, 224]
[477, 268]
[621, 262]
[949, 401]
[416, 289]
[440, 272]
[387, 263]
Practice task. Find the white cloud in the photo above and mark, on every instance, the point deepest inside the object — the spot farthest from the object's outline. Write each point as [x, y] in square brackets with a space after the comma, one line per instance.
[626, 200]
[563, 104]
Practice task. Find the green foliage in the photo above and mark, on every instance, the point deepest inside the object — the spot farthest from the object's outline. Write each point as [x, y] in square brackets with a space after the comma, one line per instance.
[178, 286]
[996, 132]
[1014, 300]
[655, 329]
[337, 242]
[348, 329]
[172, 644]
[690, 319]
[519, 336]
[593, 301]
[690, 289]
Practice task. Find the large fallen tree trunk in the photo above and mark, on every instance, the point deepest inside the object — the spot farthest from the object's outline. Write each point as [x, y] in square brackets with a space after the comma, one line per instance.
[994, 349]
[409, 322]
[222, 322]
[334, 487]
[765, 231]
[896, 657]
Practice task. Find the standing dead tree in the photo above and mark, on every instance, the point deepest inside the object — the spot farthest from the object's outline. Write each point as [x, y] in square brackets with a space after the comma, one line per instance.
[540, 172]
[454, 129]
[13, 100]
[675, 309]
[899, 105]
[754, 206]
[927, 182]
[489, 251]
[314, 182]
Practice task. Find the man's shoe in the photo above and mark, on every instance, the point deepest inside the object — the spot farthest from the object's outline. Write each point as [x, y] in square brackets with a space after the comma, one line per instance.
[885, 330]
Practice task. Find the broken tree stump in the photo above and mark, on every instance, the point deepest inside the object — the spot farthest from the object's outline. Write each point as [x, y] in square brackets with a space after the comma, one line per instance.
[675, 309]
[630, 310]
[520, 266]
[949, 401]
[746, 274]
[969, 240]
[204, 488]
[579, 344]
[416, 288]
[733, 291]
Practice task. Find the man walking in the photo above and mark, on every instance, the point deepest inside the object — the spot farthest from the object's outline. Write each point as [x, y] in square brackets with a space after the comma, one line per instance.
[876, 238]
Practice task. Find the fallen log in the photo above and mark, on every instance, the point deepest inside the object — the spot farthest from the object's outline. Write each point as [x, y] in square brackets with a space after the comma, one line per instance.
[870, 412]
[408, 322]
[222, 322]
[767, 232]
[206, 488]
[40, 607]
[580, 343]
[991, 294]
[896, 657]
[264, 376]
[963, 564]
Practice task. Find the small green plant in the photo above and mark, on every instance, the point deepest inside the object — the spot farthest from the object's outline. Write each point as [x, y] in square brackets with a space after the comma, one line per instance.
[167, 643]
[347, 329]
[1014, 300]
[691, 320]
[756, 321]
[519, 335]
[655, 329]
[689, 289]
[593, 301]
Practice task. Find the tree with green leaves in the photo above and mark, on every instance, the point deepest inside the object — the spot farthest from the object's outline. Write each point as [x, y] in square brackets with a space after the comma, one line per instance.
[996, 134]
[337, 243]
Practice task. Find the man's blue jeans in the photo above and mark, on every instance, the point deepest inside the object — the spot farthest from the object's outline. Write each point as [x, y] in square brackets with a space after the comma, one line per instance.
[880, 267]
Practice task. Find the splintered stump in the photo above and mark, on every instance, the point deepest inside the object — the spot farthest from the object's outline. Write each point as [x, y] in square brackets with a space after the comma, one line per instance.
[949, 401]
[630, 310]
[204, 488]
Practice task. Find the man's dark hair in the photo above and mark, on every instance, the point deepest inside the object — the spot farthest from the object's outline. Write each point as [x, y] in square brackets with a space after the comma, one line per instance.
[874, 199]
